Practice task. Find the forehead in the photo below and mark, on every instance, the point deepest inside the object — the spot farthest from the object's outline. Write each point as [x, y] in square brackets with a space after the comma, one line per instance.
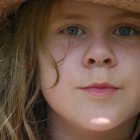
[78, 9]
[71, 6]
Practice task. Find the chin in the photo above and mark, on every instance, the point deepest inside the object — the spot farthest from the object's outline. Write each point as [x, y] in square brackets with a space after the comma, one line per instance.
[102, 127]
[101, 124]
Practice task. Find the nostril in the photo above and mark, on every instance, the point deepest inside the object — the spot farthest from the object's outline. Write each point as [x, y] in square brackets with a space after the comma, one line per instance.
[107, 61]
[91, 61]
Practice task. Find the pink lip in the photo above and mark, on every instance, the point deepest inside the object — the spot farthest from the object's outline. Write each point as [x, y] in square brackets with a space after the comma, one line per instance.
[100, 90]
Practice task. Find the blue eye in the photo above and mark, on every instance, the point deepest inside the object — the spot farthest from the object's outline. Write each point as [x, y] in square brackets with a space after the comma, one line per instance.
[73, 31]
[126, 31]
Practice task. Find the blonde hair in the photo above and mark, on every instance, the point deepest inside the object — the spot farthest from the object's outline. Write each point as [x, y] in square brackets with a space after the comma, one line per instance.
[20, 96]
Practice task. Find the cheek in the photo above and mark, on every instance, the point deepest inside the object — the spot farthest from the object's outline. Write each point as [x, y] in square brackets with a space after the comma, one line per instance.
[58, 95]
[129, 59]
[58, 47]
[47, 72]
[130, 75]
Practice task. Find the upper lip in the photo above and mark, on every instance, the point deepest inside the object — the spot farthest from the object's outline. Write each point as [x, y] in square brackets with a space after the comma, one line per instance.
[101, 86]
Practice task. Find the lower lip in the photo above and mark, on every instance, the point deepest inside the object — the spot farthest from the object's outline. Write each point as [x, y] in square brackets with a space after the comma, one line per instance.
[100, 92]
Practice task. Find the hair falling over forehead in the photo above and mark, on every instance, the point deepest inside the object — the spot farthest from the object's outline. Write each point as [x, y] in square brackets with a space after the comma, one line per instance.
[20, 88]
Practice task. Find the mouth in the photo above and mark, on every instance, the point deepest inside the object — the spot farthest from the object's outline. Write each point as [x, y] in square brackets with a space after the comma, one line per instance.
[100, 89]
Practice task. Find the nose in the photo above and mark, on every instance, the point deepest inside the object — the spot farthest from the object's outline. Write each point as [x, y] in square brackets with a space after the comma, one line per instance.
[99, 54]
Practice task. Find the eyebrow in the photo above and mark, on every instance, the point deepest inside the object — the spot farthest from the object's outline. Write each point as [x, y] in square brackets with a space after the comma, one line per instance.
[72, 16]
[127, 15]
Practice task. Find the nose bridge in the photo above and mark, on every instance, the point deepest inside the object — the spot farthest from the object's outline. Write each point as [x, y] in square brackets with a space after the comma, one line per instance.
[99, 53]
[99, 48]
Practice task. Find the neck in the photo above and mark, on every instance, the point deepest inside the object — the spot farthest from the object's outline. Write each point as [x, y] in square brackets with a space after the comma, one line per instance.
[60, 129]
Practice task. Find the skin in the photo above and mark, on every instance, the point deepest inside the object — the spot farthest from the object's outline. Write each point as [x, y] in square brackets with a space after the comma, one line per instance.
[99, 52]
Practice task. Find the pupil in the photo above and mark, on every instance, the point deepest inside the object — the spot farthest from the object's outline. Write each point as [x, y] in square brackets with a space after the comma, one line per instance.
[72, 30]
[124, 31]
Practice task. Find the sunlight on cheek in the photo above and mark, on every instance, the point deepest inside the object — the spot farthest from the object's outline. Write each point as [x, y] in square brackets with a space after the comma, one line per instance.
[100, 121]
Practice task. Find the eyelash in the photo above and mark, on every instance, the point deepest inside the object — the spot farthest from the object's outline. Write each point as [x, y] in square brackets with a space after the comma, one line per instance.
[132, 31]
[66, 31]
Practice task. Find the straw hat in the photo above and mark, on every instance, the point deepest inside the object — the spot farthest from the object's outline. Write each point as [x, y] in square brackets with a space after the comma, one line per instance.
[6, 6]
[130, 5]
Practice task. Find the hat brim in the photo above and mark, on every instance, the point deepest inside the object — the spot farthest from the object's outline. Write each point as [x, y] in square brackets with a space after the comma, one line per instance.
[130, 5]
[7, 6]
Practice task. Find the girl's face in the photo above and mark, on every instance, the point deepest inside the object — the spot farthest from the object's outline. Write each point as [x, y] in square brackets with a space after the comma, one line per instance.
[97, 49]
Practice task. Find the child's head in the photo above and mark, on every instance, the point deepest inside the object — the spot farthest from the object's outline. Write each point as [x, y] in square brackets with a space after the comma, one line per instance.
[99, 73]
[83, 58]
